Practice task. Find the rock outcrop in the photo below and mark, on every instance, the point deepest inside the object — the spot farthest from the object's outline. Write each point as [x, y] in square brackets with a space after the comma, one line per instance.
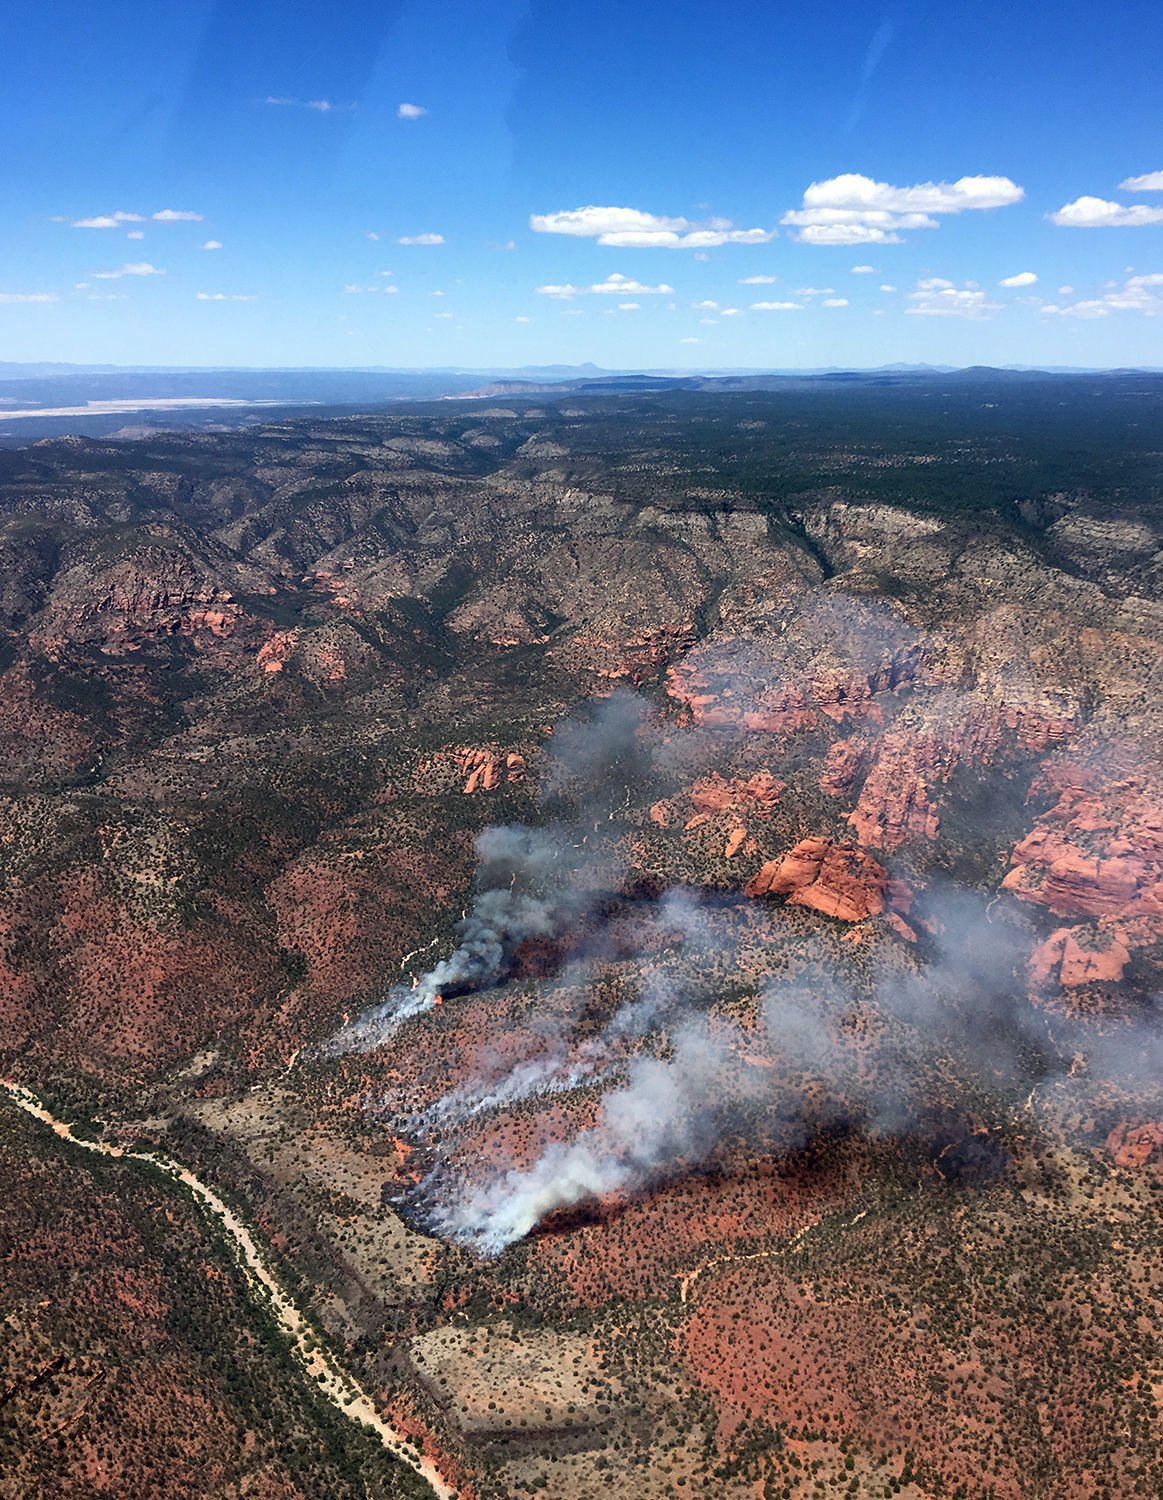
[477, 768]
[759, 793]
[1074, 956]
[837, 879]
[1135, 1145]
[1098, 851]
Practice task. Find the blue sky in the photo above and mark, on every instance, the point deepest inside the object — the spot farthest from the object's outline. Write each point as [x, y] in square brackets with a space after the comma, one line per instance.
[642, 185]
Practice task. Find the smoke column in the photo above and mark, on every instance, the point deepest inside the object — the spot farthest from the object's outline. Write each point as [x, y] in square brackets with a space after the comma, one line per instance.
[531, 882]
[958, 1018]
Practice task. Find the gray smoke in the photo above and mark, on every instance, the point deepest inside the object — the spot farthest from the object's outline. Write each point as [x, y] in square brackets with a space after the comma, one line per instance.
[891, 1045]
[566, 1063]
[954, 1025]
[531, 882]
[666, 1111]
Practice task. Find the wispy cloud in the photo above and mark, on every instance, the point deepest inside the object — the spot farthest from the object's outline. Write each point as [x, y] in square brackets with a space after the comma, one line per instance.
[863, 271]
[130, 268]
[354, 289]
[853, 209]
[1102, 213]
[212, 245]
[877, 47]
[108, 221]
[9, 298]
[776, 306]
[1138, 294]
[119, 219]
[225, 297]
[320, 106]
[420, 239]
[758, 280]
[632, 228]
[613, 286]
[935, 297]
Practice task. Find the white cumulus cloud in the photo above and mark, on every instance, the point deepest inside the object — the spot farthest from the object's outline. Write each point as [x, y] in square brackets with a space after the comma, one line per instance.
[633, 228]
[109, 221]
[775, 306]
[863, 270]
[852, 209]
[758, 280]
[212, 245]
[934, 297]
[1138, 294]
[130, 268]
[1148, 182]
[1023, 278]
[1101, 213]
[176, 216]
[410, 111]
[834, 302]
[614, 285]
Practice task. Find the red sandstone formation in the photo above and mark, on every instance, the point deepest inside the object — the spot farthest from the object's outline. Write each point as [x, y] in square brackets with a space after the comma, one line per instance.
[837, 879]
[1075, 956]
[1135, 1145]
[480, 768]
[844, 764]
[1098, 852]
[275, 653]
[923, 750]
[782, 709]
[714, 793]
[735, 842]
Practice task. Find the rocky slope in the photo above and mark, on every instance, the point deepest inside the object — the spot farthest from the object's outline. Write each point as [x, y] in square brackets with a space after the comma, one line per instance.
[894, 746]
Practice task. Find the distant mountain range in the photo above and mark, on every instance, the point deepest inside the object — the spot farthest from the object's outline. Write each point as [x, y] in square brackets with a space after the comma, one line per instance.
[41, 400]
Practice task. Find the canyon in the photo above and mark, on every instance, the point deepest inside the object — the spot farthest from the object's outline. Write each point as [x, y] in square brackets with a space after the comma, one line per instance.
[784, 765]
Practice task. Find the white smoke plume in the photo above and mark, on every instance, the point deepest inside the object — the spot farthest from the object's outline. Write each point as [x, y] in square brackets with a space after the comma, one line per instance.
[531, 882]
[665, 1112]
[567, 1064]
[958, 1023]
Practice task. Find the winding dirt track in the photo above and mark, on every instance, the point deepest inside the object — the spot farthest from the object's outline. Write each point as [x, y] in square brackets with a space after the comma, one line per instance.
[344, 1393]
